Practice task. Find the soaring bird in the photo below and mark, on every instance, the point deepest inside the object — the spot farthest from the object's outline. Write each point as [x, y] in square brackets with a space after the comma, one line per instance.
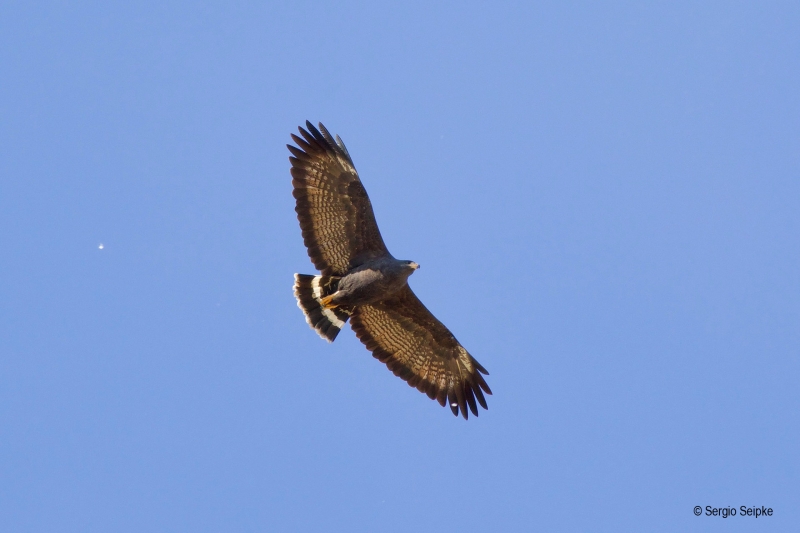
[362, 282]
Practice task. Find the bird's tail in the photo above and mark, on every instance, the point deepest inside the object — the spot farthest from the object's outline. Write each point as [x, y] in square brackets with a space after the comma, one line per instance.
[310, 291]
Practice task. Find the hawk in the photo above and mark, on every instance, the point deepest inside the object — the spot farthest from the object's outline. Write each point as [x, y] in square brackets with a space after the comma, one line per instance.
[362, 282]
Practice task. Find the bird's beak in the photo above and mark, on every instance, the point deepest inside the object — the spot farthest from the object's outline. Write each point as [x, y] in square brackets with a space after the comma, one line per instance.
[414, 265]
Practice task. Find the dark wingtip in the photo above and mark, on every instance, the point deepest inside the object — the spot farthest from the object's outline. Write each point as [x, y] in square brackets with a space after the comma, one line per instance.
[315, 132]
[480, 367]
[310, 139]
[462, 402]
[323, 138]
[471, 400]
[325, 132]
[343, 147]
[451, 401]
[481, 383]
[479, 397]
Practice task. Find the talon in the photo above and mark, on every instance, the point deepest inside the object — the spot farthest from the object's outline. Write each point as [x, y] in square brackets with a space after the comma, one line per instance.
[326, 302]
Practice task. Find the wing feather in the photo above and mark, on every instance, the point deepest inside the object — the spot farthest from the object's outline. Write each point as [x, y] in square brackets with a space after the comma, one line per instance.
[334, 211]
[417, 347]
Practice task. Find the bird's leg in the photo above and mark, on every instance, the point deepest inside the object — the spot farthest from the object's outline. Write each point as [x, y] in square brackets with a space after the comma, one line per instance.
[326, 302]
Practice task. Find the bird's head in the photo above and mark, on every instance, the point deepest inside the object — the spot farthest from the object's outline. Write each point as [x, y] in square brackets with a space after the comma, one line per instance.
[411, 265]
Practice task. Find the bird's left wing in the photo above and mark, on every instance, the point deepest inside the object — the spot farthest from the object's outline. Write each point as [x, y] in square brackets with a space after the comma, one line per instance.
[335, 214]
[401, 332]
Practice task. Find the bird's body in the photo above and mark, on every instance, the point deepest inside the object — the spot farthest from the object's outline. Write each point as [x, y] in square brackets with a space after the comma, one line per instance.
[372, 281]
[362, 282]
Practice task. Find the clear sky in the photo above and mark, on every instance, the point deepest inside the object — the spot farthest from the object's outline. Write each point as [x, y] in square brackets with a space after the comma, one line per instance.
[603, 198]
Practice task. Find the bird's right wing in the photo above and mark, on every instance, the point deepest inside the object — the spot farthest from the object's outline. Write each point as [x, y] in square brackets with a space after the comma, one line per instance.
[335, 214]
[401, 332]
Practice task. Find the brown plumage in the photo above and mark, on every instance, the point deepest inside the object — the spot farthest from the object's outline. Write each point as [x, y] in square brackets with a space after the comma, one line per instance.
[362, 282]
[335, 214]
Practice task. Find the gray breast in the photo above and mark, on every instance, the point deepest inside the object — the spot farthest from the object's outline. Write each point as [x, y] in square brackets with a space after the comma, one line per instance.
[372, 282]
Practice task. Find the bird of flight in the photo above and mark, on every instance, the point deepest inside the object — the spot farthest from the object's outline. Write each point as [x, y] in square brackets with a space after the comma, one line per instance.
[362, 282]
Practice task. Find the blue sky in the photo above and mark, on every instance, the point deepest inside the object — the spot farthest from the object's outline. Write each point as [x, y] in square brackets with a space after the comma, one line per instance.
[603, 198]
